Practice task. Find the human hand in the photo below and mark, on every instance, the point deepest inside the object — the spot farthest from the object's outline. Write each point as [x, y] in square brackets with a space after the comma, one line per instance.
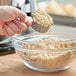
[12, 21]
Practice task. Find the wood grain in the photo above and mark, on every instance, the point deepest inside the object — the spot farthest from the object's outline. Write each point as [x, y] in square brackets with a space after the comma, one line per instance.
[10, 65]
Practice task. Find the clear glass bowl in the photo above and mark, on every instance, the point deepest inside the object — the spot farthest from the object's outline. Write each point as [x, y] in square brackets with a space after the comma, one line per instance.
[45, 60]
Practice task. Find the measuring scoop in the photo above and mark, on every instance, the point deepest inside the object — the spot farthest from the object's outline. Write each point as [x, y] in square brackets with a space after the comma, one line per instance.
[41, 20]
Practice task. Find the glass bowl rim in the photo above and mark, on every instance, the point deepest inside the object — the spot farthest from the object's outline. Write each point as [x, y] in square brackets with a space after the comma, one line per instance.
[63, 34]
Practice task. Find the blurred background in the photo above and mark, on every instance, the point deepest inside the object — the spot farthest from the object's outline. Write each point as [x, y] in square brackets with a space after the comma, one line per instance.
[62, 11]
[61, 1]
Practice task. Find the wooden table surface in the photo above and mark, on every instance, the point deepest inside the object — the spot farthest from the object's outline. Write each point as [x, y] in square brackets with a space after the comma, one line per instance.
[10, 65]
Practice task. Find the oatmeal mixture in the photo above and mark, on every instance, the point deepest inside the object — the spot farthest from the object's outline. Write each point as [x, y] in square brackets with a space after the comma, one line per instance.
[42, 18]
[41, 21]
[53, 54]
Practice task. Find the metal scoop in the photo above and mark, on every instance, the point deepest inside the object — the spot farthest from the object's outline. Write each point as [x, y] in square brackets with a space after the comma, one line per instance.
[37, 27]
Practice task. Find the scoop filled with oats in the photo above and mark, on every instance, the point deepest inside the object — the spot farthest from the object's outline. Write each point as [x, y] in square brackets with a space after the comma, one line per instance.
[41, 20]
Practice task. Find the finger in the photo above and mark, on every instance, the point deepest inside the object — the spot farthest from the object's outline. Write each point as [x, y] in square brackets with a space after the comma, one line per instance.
[16, 13]
[3, 31]
[13, 27]
[21, 15]
[0, 29]
[1, 25]
[20, 24]
[9, 31]
[28, 23]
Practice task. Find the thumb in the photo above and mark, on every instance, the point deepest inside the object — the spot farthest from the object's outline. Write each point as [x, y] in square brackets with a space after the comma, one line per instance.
[21, 15]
